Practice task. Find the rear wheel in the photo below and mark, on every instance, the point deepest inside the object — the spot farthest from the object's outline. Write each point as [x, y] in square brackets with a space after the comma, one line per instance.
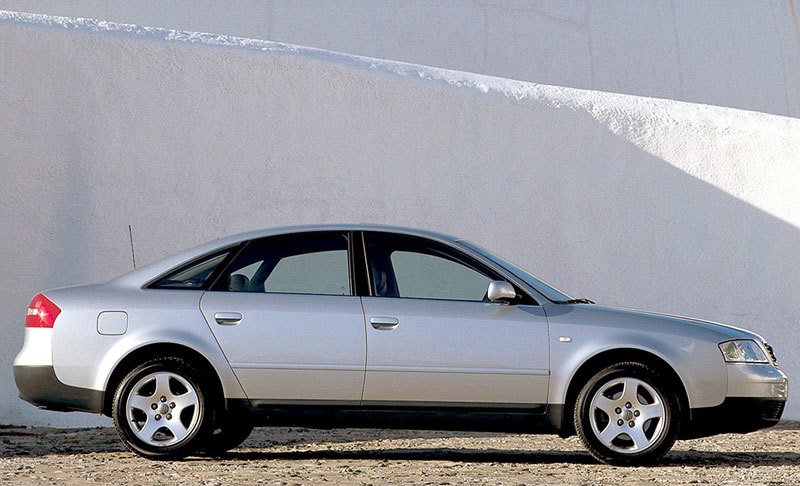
[627, 415]
[162, 410]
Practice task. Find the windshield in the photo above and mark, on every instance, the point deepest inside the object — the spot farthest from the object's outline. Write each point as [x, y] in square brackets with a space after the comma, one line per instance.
[540, 285]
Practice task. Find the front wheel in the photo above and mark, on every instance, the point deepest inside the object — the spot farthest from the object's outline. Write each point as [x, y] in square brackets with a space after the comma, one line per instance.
[627, 415]
[161, 409]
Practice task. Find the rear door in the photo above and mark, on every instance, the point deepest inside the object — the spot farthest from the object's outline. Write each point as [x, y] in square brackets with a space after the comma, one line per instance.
[286, 318]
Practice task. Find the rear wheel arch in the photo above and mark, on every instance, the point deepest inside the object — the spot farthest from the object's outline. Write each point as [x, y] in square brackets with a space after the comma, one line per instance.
[606, 358]
[161, 350]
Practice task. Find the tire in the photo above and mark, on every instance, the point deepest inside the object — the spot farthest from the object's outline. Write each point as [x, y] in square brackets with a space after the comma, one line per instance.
[226, 436]
[162, 409]
[621, 428]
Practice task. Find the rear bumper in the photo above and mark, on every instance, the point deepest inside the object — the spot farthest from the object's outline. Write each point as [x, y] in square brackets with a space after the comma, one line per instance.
[39, 385]
[735, 415]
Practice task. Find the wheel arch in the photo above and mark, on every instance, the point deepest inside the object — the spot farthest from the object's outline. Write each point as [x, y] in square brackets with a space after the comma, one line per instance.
[560, 417]
[163, 349]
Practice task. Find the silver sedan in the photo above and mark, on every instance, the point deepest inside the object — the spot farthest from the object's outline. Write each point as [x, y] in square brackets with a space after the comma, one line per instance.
[371, 326]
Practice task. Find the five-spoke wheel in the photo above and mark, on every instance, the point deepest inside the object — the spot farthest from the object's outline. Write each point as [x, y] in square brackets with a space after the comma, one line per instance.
[626, 414]
[163, 408]
[160, 409]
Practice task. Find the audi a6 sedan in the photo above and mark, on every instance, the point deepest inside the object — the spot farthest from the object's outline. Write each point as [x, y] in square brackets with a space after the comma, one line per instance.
[372, 326]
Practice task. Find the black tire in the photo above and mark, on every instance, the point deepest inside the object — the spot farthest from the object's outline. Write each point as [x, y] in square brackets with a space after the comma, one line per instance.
[622, 450]
[202, 413]
[229, 434]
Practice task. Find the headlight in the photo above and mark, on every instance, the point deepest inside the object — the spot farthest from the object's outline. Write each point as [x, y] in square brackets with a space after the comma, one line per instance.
[742, 351]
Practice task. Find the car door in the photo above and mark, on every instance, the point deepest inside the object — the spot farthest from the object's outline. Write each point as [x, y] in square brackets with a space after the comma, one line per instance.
[286, 318]
[433, 339]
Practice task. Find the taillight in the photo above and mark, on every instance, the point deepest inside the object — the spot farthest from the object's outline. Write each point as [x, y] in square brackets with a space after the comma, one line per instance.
[42, 312]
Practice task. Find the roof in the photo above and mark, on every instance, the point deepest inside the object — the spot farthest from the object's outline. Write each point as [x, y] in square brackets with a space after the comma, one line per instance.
[249, 235]
[144, 274]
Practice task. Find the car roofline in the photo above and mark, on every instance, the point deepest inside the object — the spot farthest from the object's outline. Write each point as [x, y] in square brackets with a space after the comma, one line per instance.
[142, 275]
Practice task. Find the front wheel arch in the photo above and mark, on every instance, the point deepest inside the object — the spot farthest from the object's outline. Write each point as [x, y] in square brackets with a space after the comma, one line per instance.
[606, 358]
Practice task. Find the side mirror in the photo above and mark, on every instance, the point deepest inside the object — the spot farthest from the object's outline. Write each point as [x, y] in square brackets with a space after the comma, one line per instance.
[501, 291]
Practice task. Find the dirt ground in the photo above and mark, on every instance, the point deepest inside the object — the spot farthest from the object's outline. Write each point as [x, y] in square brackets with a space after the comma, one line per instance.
[300, 456]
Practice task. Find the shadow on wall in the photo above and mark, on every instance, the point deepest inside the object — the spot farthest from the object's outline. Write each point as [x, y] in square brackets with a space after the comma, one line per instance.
[56, 208]
[605, 211]
[73, 223]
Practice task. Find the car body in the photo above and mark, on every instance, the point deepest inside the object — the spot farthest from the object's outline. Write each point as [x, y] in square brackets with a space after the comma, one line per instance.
[376, 326]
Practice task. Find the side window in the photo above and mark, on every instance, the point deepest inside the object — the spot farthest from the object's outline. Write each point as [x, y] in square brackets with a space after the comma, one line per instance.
[322, 272]
[192, 276]
[432, 277]
[416, 268]
[306, 263]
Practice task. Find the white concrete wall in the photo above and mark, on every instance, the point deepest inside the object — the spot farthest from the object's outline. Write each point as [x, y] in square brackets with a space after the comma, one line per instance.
[648, 203]
[741, 54]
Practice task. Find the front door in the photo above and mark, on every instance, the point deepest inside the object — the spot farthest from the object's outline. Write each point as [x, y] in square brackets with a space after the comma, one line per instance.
[434, 339]
[286, 318]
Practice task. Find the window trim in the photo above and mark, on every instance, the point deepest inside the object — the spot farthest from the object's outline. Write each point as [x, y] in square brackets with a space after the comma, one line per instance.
[360, 270]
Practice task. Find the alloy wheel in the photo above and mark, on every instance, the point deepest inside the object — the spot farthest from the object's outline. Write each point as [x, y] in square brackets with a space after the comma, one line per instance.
[163, 409]
[627, 415]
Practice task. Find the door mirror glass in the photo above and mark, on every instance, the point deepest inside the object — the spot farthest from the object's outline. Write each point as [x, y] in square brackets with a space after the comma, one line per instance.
[500, 291]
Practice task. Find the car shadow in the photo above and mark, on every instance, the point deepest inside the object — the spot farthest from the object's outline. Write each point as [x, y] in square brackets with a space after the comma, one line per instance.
[418, 454]
[678, 458]
[266, 443]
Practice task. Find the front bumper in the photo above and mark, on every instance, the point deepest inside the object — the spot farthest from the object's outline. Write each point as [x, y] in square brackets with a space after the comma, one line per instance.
[735, 415]
[757, 381]
[756, 399]
[39, 385]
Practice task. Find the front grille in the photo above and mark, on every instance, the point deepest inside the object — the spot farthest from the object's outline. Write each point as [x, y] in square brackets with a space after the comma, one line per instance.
[771, 353]
[773, 409]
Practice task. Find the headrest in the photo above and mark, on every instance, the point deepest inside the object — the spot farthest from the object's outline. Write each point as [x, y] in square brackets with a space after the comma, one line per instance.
[239, 283]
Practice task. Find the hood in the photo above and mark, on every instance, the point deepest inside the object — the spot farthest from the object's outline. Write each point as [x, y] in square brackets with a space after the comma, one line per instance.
[617, 314]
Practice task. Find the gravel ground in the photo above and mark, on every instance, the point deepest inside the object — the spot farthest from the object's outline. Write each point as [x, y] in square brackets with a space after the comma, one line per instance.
[299, 456]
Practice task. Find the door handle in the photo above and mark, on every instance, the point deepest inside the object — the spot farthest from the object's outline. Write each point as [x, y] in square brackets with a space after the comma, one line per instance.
[228, 318]
[384, 323]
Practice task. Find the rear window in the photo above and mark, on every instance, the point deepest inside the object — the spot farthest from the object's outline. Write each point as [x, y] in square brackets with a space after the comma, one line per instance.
[195, 275]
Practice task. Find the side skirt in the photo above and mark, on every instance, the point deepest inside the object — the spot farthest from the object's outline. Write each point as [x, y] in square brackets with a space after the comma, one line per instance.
[528, 419]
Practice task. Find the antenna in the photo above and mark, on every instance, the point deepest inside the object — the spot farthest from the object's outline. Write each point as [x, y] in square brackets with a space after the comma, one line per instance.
[133, 253]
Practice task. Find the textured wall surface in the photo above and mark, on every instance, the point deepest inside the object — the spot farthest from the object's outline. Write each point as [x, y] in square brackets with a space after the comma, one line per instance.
[633, 201]
[741, 54]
